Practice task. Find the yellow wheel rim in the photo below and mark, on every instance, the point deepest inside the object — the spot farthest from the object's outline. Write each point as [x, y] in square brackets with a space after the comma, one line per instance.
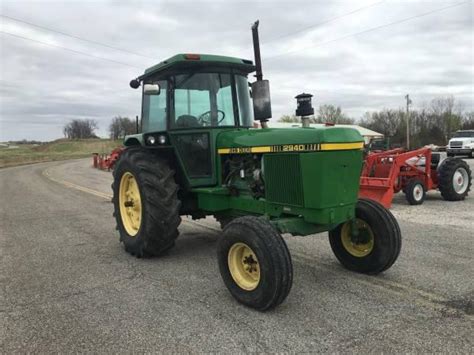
[130, 204]
[244, 266]
[353, 247]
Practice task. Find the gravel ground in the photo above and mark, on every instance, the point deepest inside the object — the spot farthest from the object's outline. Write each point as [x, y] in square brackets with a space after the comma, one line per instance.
[68, 286]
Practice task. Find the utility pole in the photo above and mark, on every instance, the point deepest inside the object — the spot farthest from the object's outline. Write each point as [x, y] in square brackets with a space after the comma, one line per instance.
[407, 96]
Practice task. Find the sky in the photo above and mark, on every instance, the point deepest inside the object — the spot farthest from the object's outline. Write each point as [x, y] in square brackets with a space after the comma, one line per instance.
[359, 55]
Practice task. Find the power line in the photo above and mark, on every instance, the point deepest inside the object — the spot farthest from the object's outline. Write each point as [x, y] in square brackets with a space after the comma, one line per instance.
[77, 37]
[69, 49]
[323, 22]
[368, 30]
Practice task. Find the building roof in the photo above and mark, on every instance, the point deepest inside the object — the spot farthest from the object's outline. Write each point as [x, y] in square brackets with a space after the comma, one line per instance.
[365, 132]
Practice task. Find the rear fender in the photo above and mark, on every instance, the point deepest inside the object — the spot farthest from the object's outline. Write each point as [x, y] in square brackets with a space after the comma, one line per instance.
[168, 153]
[133, 140]
[188, 202]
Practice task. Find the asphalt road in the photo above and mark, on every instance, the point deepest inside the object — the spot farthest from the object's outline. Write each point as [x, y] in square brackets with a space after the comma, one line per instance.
[68, 286]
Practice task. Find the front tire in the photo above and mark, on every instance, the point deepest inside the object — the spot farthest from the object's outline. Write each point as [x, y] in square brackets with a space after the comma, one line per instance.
[377, 245]
[415, 192]
[454, 179]
[255, 263]
[146, 205]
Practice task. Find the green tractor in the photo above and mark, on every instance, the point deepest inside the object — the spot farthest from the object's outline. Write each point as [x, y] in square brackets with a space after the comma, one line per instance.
[199, 155]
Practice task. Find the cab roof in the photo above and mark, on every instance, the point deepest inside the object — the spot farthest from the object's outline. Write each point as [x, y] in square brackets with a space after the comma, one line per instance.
[190, 61]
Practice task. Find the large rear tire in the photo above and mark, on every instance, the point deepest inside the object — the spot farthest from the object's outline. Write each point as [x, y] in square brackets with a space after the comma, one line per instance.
[454, 179]
[377, 245]
[146, 205]
[223, 220]
[255, 263]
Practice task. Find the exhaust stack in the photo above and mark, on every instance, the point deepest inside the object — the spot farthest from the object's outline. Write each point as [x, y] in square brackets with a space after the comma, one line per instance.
[262, 107]
[256, 51]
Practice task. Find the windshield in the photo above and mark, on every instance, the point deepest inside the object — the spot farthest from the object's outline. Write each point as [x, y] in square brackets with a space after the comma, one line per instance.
[207, 100]
[464, 134]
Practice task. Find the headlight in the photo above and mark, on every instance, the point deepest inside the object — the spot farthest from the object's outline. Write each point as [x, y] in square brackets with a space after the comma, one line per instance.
[162, 139]
[156, 140]
[151, 140]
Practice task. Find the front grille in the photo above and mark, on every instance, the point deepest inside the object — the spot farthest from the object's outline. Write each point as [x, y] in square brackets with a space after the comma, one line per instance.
[455, 144]
[283, 179]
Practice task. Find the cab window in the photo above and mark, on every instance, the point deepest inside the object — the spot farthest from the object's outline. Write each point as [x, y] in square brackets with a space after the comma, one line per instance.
[203, 100]
[154, 109]
[245, 101]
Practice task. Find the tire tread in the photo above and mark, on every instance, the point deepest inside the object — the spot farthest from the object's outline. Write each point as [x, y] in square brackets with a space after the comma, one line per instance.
[445, 176]
[161, 205]
[392, 235]
[279, 256]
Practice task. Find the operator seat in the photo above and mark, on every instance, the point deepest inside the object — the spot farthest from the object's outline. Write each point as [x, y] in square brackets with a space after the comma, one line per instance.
[435, 159]
[187, 121]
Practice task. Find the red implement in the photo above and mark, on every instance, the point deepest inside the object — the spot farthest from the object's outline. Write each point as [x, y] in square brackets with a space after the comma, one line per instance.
[106, 161]
[386, 173]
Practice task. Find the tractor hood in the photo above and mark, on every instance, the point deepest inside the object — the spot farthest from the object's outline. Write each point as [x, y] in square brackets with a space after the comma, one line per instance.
[275, 140]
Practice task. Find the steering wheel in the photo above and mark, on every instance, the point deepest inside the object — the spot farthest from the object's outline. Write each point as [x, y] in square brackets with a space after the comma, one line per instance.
[205, 118]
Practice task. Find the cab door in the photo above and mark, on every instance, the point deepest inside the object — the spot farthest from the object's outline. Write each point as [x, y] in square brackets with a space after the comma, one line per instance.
[195, 151]
[201, 104]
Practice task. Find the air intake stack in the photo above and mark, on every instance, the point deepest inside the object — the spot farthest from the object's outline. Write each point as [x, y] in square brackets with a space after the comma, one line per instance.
[304, 108]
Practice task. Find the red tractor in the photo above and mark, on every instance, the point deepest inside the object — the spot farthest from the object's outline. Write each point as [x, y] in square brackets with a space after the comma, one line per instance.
[414, 172]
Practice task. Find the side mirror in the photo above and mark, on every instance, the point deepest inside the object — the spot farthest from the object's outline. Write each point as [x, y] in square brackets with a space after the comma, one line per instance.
[262, 106]
[134, 83]
[151, 89]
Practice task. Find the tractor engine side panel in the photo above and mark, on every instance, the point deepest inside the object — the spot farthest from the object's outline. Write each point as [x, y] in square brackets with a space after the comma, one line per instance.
[331, 179]
[322, 186]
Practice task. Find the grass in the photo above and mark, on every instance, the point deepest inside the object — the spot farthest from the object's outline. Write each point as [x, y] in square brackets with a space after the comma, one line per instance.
[61, 149]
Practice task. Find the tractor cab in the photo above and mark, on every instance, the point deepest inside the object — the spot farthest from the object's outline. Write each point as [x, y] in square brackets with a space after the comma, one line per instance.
[192, 91]
[187, 100]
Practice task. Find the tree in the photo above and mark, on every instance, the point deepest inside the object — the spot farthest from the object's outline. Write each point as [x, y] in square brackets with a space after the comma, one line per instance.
[388, 122]
[447, 114]
[121, 126]
[289, 119]
[434, 124]
[468, 120]
[80, 129]
[326, 113]
[332, 114]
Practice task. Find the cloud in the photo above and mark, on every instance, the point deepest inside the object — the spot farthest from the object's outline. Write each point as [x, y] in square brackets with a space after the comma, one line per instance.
[42, 87]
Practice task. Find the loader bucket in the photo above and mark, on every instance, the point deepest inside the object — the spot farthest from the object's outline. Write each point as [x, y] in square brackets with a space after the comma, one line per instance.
[377, 189]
